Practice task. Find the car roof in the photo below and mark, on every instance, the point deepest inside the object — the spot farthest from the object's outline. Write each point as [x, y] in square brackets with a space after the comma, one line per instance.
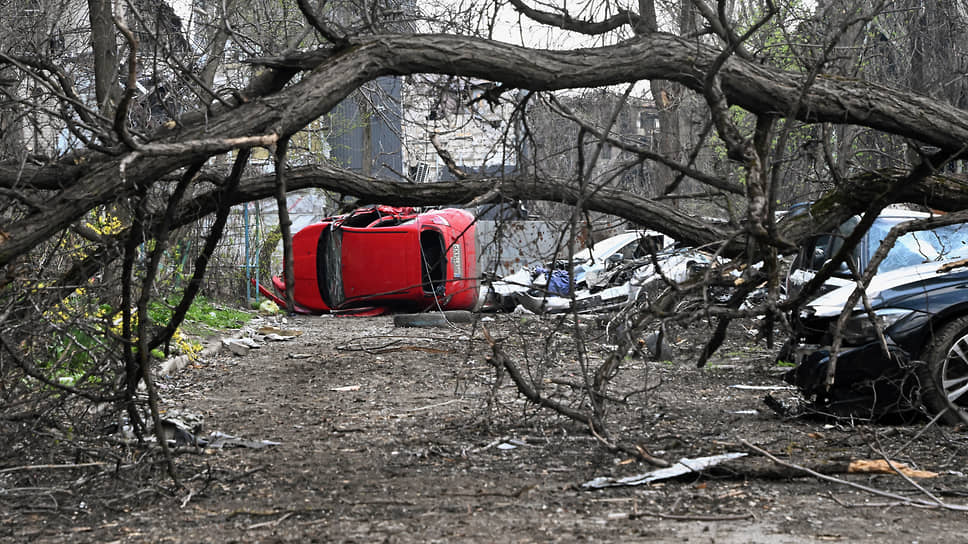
[903, 213]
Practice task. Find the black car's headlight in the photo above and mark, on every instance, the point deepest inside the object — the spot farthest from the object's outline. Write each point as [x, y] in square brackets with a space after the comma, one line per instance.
[859, 329]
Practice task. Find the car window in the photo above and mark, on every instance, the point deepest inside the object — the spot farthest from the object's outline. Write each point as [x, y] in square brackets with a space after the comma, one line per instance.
[940, 244]
[609, 246]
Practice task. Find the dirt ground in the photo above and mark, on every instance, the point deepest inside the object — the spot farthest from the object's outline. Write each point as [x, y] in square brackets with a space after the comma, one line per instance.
[391, 434]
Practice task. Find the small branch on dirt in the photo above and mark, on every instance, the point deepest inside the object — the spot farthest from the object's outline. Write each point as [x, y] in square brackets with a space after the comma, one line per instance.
[845, 504]
[644, 454]
[637, 451]
[337, 430]
[646, 389]
[393, 345]
[689, 517]
[50, 467]
[380, 502]
[410, 348]
[187, 498]
[244, 474]
[904, 474]
[580, 386]
[490, 445]
[273, 523]
[432, 406]
[924, 429]
[512, 495]
[287, 512]
[874, 491]
[361, 347]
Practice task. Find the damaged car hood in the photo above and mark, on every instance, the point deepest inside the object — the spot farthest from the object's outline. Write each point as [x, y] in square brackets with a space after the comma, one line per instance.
[897, 284]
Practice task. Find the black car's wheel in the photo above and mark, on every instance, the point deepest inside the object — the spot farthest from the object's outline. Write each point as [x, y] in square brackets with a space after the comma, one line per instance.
[945, 370]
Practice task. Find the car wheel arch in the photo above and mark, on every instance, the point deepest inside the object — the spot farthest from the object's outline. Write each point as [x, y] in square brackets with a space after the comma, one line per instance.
[934, 363]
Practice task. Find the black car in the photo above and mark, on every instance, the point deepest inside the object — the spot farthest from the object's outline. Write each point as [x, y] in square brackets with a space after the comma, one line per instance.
[923, 312]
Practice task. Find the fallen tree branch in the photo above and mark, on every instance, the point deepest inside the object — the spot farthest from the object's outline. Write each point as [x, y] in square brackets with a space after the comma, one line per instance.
[501, 361]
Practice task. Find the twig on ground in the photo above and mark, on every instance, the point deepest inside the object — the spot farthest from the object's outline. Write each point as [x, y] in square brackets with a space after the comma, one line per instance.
[431, 406]
[904, 475]
[637, 451]
[689, 517]
[51, 467]
[920, 432]
[269, 523]
[244, 474]
[412, 348]
[583, 387]
[904, 500]
[868, 504]
[187, 497]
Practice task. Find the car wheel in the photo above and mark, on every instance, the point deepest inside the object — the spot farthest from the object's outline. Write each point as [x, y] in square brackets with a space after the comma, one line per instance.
[945, 370]
[433, 319]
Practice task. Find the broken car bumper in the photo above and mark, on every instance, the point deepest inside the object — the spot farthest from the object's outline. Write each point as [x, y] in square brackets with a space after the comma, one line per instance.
[865, 378]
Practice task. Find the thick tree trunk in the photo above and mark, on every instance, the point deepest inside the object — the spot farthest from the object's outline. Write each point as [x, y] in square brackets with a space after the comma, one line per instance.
[104, 41]
[11, 132]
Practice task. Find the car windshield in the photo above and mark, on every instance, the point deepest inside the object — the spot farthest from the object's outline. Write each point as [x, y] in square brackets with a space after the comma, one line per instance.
[940, 244]
[607, 247]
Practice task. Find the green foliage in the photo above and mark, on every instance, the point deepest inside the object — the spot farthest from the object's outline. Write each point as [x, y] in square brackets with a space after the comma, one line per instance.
[202, 312]
[70, 357]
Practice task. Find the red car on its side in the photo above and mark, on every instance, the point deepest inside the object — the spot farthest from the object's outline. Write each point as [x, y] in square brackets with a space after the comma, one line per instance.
[385, 257]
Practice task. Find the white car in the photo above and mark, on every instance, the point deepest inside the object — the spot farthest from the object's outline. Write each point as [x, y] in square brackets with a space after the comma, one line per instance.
[588, 265]
[616, 286]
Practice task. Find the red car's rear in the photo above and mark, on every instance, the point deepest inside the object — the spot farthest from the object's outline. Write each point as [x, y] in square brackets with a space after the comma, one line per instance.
[389, 257]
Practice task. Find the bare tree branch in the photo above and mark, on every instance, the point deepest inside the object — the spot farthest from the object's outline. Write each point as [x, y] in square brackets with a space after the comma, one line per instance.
[565, 21]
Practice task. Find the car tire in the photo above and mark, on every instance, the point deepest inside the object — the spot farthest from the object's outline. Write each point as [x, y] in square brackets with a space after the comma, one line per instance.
[944, 371]
[433, 319]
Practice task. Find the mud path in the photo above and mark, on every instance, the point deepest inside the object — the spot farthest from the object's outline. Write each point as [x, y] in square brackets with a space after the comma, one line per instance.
[385, 435]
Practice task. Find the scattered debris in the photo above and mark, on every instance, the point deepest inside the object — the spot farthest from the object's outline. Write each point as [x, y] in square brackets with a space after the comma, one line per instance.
[184, 429]
[682, 466]
[181, 428]
[221, 440]
[346, 388]
[278, 337]
[511, 444]
[268, 307]
[790, 407]
[269, 330]
[240, 346]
